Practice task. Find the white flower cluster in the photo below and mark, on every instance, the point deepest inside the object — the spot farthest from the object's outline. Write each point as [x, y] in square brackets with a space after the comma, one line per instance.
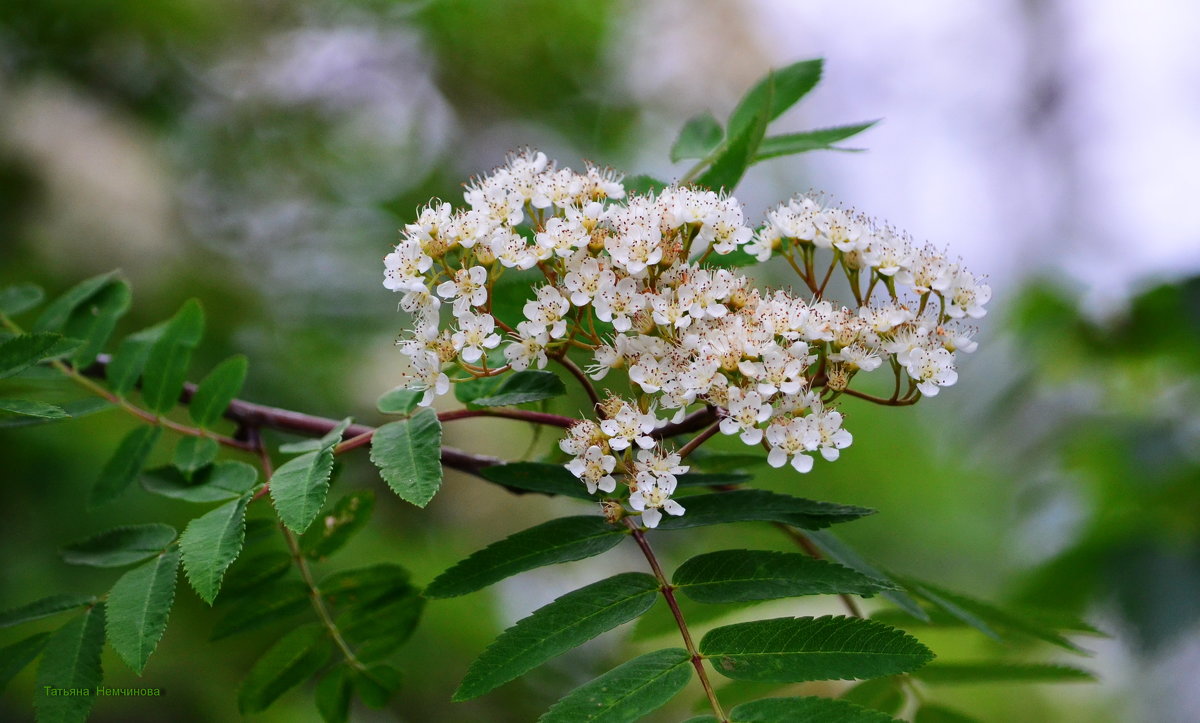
[640, 284]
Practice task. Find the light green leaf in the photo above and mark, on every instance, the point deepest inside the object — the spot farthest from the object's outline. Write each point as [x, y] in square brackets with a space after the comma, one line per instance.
[219, 481]
[550, 479]
[125, 464]
[20, 352]
[289, 662]
[559, 540]
[121, 545]
[993, 672]
[193, 453]
[736, 154]
[71, 659]
[715, 462]
[129, 360]
[841, 552]
[940, 714]
[376, 685]
[743, 575]
[55, 316]
[808, 709]
[351, 513]
[815, 140]
[138, 606]
[210, 544]
[399, 401]
[643, 184]
[761, 506]
[408, 454]
[331, 438]
[333, 695]
[553, 629]
[20, 298]
[44, 608]
[265, 605]
[882, 694]
[28, 408]
[167, 364]
[217, 390]
[520, 388]
[777, 91]
[790, 650]
[74, 409]
[298, 488]
[627, 692]
[93, 321]
[698, 137]
[14, 658]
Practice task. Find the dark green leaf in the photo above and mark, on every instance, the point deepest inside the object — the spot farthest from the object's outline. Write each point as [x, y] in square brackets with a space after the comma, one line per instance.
[210, 544]
[25, 350]
[250, 573]
[399, 401]
[223, 480]
[376, 685]
[642, 185]
[14, 658]
[138, 607]
[167, 364]
[882, 694]
[125, 464]
[408, 455]
[789, 650]
[121, 545]
[289, 662]
[559, 540]
[627, 692]
[193, 453]
[217, 390]
[716, 462]
[93, 321]
[989, 672]
[74, 409]
[737, 258]
[20, 298]
[815, 140]
[777, 91]
[265, 605]
[808, 709]
[522, 387]
[44, 608]
[351, 513]
[71, 660]
[569, 621]
[761, 506]
[298, 488]
[713, 479]
[550, 479]
[742, 575]
[839, 551]
[333, 695]
[376, 628]
[698, 137]
[730, 161]
[366, 585]
[28, 408]
[55, 316]
[127, 364]
[940, 714]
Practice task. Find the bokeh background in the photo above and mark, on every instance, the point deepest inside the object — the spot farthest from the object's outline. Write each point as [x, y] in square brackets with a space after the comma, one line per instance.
[261, 155]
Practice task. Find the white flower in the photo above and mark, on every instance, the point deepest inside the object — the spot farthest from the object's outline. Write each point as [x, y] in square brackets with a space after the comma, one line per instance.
[651, 499]
[791, 437]
[580, 436]
[475, 333]
[618, 302]
[779, 371]
[547, 310]
[629, 426]
[529, 347]
[511, 250]
[931, 369]
[563, 237]
[468, 288]
[831, 437]
[967, 296]
[404, 266]
[425, 374]
[744, 413]
[594, 468]
[857, 356]
[654, 465]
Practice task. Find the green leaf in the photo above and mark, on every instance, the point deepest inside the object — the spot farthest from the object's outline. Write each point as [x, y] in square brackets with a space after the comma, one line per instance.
[807, 709]
[839, 551]
[138, 606]
[522, 387]
[985, 617]
[627, 692]
[28, 408]
[121, 546]
[210, 544]
[698, 137]
[73, 409]
[298, 488]
[550, 479]
[167, 363]
[408, 454]
[366, 585]
[193, 453]
[333, 695]
[716, 462]
[882, 694]
[399, 401]
[777, 91]
[25, 350]
[250, 573]
[43, 608]
[217, 390]
[71, 660]
[713, 479]
[790, 650]
[730, 161]
[737, 258]
[989, 672]
[376, 685]
[553, 629]
[351, 513]
[289, 662]
[377, 627]
[761, 506]
[14, 658]
[129, 360]
[263, 606]
[816, 140]
[331, 438]
[125, 464]
[559, 540]
[223, 480]
[743, 575]
[20, 298]
[93, 321]
[55, 316]
[643, 184]
[940, 714]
